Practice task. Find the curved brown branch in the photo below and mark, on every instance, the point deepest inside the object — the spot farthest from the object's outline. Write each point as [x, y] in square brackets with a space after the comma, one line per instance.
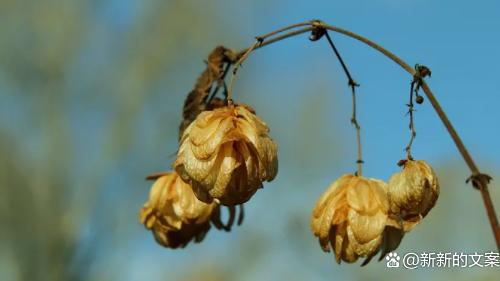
[479, 179]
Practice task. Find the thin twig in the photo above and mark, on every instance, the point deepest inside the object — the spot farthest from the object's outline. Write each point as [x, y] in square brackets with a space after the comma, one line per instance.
[413, 133]
[421, 72]
[330, 41]
[235, 70]
[277, 39]
[222, 83]
[272, 33]
[480, 178]
[354, 121]
[260, 42]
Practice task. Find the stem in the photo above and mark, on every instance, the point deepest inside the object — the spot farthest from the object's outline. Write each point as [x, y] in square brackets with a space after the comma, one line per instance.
[277, 39]
[219, 85]
[482, 182]
[243, 55]
[359, 161]
[330, 41]
[480, 179]
[237, 66]
[354, 121]
[413, 133]
[265, 36]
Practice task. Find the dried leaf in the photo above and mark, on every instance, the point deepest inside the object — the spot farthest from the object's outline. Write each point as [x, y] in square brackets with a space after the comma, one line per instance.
[195, 102]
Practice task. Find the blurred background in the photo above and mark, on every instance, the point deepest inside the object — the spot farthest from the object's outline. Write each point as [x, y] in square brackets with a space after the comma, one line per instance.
[90, 102]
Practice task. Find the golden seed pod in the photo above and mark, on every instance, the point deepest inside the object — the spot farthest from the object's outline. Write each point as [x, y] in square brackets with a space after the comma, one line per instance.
[226, 154]
[174, 214]
[352, 216]
[413, 192]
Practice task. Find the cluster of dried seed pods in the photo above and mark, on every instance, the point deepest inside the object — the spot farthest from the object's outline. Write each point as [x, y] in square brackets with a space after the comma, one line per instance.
[358, 217]
[225, 155]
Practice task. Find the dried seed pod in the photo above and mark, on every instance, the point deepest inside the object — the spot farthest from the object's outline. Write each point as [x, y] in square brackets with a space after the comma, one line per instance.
[226, 154]
[174, 214]
[352, 216]
[413, 192]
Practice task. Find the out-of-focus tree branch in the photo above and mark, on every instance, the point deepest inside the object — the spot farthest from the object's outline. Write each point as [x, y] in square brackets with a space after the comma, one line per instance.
[46, 205]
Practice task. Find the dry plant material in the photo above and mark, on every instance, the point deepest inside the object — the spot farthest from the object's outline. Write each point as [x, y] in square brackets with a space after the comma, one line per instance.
[413, 192]
[195, 102]
[351, 217]
[174, 214]
[226, 154]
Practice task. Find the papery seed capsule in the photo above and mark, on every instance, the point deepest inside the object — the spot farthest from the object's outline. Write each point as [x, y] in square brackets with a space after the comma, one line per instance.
[351, 217]
[226, 154]
[413, 192]
[174, 214]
